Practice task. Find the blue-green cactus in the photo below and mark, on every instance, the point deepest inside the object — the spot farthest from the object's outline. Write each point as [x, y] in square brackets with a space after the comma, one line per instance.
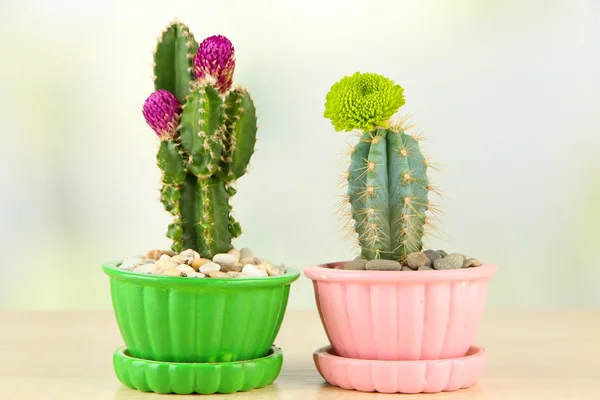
[387, 177]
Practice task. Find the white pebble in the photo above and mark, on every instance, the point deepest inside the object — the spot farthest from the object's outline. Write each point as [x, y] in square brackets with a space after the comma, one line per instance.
[211, 266]
[246, 252]
[253, 271]
[226, 259]
[178, 259]
[189, 255]
[195, 275]
[165, 265]
[127, 266]
[235, 252]
[131, 262]
[165, 257]
[185, 268]
[145, 269]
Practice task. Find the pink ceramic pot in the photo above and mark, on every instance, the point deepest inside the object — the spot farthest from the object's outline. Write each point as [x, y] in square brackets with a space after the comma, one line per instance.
[400, 315]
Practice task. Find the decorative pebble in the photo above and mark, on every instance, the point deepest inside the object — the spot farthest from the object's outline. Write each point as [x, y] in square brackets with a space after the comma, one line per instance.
[442, 253]
[189, 255]
[171, 272]
[416, 260]
[425, 268]
[406, 269]
[237, 267]
[475, 263]
[154, 254]
[273, 271]
[190, 264]
[165, 264]
[467, 263]
[245, 253]
[432, 255]
[198, 262]
[145, 269]
[451, 261]
[383, 265]
[179, 259]
[218, 274]
[194, 275]
[249, 260]
[235, 252]
[210, 266]
[254, 271]
[357, 265]
[225, 259]
[131, 262]
[185, 268]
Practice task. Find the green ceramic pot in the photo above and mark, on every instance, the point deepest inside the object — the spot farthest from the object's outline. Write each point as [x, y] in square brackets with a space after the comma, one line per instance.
[198, 320]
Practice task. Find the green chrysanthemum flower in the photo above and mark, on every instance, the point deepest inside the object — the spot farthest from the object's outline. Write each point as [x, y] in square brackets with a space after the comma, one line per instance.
[363, 101]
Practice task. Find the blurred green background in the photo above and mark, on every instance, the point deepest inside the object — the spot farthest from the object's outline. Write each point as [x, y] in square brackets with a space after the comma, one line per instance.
[506, 91]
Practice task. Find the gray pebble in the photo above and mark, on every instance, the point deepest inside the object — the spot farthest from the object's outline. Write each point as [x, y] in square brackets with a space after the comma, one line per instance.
[237, 267]
[432, 255]
[451, 261]
[475, 262]
[358, 264]
[425, 268]
[442, 253]
[406, 269]
[467, 263]
[384, 265]
[416, 260]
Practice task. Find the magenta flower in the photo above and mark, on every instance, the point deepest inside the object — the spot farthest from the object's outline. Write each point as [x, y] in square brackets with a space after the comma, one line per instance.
[162, 110]
[216, 58]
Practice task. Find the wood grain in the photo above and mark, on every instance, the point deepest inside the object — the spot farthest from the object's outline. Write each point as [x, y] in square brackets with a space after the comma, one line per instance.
[532, 355]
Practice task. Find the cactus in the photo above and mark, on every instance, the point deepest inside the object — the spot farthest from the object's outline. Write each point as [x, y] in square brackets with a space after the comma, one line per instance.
[207, 132]
[387, 177]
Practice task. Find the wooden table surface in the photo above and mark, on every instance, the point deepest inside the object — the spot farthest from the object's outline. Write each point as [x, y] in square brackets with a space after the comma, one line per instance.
[532, 355]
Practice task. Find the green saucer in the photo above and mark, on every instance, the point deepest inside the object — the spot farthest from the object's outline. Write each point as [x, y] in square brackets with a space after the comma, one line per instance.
[202, 378]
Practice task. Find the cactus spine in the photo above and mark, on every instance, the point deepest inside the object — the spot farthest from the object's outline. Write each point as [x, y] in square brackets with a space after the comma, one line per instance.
[208, 140]
[387, 177]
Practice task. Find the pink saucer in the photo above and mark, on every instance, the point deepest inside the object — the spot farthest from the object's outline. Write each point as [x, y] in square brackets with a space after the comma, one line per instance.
[418, 376]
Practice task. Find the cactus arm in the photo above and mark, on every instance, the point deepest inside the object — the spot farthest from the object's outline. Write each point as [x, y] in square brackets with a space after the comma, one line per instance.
[377, 202]
[234, 227]
[245, 136]
[201, 130]
[172, 165]
[408, 188]
[232, 111]
[174, 60]
[170, 161]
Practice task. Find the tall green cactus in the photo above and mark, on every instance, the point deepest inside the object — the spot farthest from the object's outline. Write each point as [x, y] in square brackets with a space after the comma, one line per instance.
[207, 131]
[387, 177]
